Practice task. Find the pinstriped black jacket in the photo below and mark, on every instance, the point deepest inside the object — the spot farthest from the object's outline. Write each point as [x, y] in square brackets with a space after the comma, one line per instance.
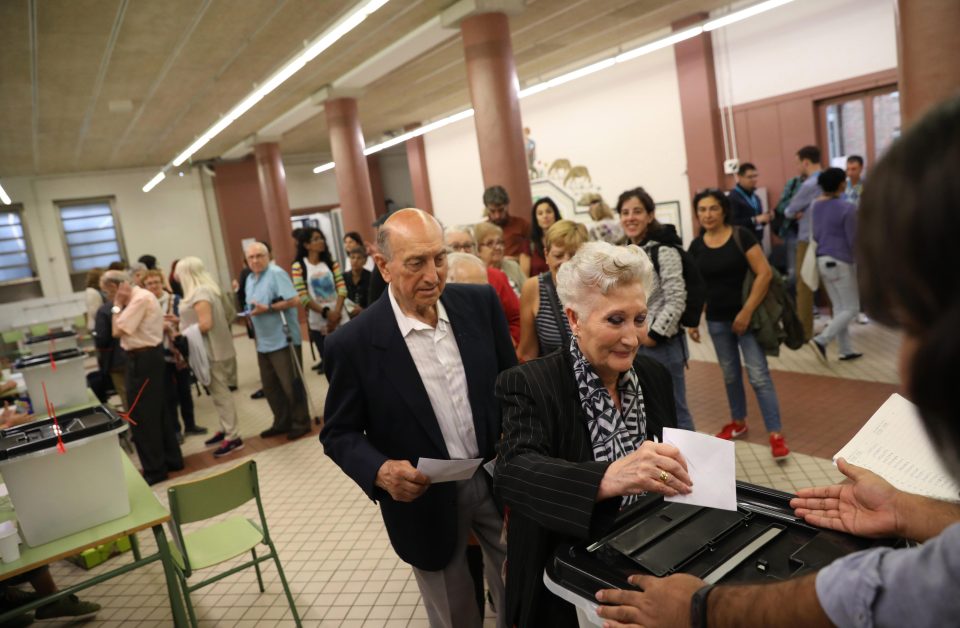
[548, 478]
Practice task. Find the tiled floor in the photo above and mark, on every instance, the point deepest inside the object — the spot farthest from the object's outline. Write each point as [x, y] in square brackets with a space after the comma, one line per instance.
[330, 537]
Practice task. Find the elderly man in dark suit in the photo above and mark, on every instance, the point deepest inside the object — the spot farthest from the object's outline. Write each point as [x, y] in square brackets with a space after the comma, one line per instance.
[413, 377]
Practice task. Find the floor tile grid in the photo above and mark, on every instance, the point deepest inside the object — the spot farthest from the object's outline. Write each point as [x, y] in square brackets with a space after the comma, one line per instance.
[878, 344]
[334, 549]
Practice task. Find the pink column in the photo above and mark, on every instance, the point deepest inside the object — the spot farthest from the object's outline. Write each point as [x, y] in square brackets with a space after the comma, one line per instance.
[492, 77]
[353, 178]
[273, 197]
[417, 164]
[699, 110]
[927, 54]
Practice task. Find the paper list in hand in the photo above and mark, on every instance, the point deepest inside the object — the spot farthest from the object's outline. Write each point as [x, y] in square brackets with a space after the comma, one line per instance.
[895, 445]
[448, 470]
[711, 463]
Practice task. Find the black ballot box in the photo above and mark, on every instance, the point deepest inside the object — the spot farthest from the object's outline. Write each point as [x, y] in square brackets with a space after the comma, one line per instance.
[762, 541]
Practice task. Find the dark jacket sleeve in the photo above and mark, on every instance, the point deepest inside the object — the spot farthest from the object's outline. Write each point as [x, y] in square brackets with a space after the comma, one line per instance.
[506, 355]
[555, 493]
[343, 434]
[741, 213]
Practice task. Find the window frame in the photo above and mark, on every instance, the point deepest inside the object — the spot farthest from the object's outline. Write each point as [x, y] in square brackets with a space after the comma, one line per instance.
[17, 208]
[109, 201]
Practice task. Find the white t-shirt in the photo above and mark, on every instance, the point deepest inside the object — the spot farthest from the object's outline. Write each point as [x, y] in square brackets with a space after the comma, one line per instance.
[323, 290]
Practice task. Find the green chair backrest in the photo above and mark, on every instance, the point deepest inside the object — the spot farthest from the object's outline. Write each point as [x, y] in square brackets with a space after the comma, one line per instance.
[39, 330]
[12, 336]
[214, 495]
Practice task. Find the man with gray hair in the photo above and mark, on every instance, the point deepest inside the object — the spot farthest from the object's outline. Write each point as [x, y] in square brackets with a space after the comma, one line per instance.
[270, 293]
[410, 380]
[137, 321]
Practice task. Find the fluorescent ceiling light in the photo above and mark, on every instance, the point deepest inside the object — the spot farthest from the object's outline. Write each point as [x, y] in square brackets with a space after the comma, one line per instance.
[660, 43]
[743, 14]
[3, 196]
[152, 183]
[275, 80]
[409, 135]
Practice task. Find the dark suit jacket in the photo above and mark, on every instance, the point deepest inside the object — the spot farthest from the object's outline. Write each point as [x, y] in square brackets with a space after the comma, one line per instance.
[548, 478]
[378, 409]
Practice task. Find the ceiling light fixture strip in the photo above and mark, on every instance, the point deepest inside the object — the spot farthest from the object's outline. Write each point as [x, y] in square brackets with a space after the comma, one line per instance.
[3, 197]
[629, 55]
[289, 69]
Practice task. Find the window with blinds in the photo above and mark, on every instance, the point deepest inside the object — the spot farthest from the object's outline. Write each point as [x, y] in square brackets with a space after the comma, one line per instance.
[91, 233]
[15, 263]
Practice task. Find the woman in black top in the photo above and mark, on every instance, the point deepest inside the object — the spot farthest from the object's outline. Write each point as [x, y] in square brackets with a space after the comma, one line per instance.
[723, 257]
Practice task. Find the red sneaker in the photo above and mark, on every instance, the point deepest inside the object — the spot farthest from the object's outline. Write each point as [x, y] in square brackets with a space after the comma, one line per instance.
[732, 430]
[778, 447]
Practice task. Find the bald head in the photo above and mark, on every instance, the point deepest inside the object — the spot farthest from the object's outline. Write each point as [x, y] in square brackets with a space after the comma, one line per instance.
[466, 268]
[406, 223]
[413, 260]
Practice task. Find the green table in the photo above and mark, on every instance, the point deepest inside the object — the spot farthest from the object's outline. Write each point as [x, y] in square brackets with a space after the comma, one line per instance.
[146, 511]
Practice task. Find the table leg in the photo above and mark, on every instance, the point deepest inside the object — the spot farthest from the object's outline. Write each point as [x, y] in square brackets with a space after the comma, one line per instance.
[173, 587]
[135, 545]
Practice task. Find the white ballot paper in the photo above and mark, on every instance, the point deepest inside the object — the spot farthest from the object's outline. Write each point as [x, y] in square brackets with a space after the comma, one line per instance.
[895, 445]
[711, 463]
[448, 470]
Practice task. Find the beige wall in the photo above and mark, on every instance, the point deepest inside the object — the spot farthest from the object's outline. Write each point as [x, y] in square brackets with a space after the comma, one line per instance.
[170, 222]
[623, 124]
[804, 44]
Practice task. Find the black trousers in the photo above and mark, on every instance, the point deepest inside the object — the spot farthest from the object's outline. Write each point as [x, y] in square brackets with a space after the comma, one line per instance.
[156, 444]
[178, 397]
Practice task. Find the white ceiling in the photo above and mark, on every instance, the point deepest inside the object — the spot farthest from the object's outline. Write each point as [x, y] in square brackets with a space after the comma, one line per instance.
[91, 85]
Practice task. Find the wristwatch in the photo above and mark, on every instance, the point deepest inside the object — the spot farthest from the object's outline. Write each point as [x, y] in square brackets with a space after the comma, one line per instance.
[698, 607]
[116, 309]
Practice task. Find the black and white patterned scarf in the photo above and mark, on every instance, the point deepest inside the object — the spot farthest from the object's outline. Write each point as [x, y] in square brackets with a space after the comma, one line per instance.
[614, 433]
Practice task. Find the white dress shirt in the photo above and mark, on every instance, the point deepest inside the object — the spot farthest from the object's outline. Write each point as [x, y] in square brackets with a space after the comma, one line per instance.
[437, 357]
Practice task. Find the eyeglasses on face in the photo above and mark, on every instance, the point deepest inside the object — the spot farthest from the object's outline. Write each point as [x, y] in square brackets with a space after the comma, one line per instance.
[461, 246]
[493, 244]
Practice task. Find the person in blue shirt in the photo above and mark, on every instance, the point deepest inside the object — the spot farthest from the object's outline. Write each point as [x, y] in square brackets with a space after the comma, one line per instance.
[834, 230]
[904, 244]
[272, 306]
[808, 164]
[854, 179]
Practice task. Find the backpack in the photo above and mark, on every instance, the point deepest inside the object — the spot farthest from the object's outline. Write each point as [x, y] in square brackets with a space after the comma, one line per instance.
[775, 321]
[696, 286]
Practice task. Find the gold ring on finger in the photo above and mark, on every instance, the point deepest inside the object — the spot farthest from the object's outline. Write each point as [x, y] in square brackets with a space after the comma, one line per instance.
[664, 476]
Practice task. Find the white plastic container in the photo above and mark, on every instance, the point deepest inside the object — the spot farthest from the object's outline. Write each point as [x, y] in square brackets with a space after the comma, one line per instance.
[57, 494]
[52, 342]
[66, 385]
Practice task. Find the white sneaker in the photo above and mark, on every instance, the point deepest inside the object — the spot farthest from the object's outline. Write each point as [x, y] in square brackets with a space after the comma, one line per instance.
[863, 319]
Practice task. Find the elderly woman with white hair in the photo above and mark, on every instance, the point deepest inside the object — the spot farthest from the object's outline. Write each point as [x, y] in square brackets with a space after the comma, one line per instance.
[205, 306]
[579, 427]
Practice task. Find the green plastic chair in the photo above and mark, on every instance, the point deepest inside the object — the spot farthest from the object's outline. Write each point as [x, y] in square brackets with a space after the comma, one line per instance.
[213, 544]
[39, 330]
[12, 336]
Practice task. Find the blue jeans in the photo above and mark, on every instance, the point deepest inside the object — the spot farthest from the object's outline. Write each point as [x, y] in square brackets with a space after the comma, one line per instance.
[729, 346]
[840, 280]
[673, 355]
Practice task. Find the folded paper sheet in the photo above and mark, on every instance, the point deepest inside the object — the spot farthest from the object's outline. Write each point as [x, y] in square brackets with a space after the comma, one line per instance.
[711, 463]
[448, 470]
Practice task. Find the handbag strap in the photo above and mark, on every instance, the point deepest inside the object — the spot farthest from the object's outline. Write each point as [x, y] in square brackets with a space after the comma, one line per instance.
[555, 306]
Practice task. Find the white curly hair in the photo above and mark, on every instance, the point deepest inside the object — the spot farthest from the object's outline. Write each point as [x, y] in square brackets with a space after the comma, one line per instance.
[596, 268]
